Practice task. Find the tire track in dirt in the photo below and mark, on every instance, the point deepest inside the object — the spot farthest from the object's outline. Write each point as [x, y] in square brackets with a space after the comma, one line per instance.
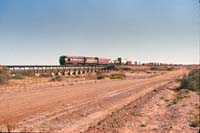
[71, 108]
[75, 126]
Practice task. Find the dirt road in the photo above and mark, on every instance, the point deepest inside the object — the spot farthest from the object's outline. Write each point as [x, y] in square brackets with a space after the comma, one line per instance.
[73, 108]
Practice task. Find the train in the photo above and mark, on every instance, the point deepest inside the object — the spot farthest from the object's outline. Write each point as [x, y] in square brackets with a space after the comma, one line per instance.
[81, 60]
[96, 61]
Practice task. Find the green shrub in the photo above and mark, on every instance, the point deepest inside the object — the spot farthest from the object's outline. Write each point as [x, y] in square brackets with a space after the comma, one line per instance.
[154, 68]
[99, 77]
[196, 122]
[142, 125]
[4, 75]
[161, 98]
[181, 95]
[126, 69]
[191, 82]
[117, 76]
[160, 68]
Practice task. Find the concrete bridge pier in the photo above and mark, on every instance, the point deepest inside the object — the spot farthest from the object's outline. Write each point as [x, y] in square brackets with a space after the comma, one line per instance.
[78, 72]
[36, 74]
[92, 70]
[86, 70]
[107, 70]
[55, 70]
[53, 74]
[59, 73]
[74, 72]
[70, 73]
[66, 73]
[83, 72]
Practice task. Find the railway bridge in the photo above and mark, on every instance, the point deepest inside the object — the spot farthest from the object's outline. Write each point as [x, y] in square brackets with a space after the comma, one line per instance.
[52, 70]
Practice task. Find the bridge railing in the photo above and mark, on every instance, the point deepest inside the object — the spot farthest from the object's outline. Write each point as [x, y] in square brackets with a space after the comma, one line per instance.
[54, 69]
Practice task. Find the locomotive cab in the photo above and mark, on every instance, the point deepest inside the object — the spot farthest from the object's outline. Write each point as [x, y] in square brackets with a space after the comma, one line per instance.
[62, 60]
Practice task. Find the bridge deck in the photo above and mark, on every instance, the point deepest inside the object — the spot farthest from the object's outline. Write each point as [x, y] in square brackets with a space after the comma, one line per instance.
[54, 68]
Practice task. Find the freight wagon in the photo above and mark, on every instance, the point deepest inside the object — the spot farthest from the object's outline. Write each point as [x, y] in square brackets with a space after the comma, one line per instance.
[129, 63]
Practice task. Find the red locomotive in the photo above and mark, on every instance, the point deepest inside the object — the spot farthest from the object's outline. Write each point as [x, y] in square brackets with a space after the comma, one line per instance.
[79, 60]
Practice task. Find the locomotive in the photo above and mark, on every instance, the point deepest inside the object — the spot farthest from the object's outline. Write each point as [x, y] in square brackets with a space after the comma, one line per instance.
[80, 60]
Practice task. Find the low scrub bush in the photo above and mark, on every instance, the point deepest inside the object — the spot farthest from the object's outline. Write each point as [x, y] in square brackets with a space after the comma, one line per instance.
[126, 69]
[56, 78]
[154, 68]
[99, 72]
[160, 68]
[117, 76]
[191, 81]
[100, 76]
[196, 122]
[181, 95]
[4, 75]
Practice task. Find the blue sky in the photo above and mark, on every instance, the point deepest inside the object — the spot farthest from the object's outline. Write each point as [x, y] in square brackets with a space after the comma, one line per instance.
[39, 31]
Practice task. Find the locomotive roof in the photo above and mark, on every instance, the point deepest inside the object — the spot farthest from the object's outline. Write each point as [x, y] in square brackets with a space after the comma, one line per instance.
[86, 57]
